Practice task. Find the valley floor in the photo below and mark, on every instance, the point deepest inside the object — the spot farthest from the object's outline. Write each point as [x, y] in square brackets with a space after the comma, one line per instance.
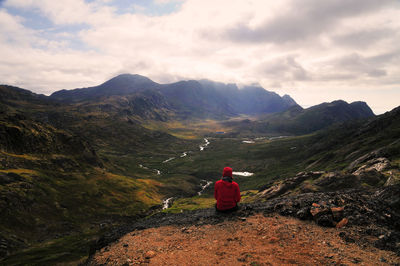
[254, 240]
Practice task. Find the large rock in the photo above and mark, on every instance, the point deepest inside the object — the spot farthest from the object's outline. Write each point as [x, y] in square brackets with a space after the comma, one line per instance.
[326, 215]
[371, 156]
[378, 164]
[290, 183]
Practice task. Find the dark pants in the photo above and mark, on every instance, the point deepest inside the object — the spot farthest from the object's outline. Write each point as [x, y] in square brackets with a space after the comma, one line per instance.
[227, 210]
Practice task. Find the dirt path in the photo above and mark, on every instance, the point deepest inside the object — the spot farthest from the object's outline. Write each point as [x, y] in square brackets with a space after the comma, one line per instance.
[255, 240]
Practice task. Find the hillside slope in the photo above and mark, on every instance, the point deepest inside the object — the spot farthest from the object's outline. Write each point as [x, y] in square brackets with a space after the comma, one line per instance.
[297, 121]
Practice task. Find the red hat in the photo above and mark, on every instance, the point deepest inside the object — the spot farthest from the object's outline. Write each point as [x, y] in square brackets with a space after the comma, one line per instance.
[227, 172]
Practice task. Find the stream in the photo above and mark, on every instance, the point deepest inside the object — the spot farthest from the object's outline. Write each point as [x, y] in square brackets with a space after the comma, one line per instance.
[243, 173]
[167, 203]
[144, 167]
[204, 184]
[202, 147]
[169, 159]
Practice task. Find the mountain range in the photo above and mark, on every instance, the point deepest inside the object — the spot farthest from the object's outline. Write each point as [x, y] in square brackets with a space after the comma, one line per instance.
[187, 99]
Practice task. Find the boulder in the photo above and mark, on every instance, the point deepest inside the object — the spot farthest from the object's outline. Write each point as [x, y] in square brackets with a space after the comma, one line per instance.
[342, 223]
[337, 213]
[378, 164]
[322, 214]
[367, 157]
[288, 184]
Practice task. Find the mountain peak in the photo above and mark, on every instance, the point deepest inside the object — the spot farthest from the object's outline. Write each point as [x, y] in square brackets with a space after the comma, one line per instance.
[127, 81]
[289, 100]
[120, 85]
[130, 78]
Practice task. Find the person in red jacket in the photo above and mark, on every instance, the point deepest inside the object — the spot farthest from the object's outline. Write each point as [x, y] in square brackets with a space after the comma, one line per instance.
[226, 192]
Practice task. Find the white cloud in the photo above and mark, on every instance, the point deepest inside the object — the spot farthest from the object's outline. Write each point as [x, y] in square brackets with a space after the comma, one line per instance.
[341, 48]
[163, 2]
[13, 32]
[67, 12]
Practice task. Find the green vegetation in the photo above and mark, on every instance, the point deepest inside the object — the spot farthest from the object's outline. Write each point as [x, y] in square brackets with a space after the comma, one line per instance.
[205, 201]
[189, 204]
[71, 249]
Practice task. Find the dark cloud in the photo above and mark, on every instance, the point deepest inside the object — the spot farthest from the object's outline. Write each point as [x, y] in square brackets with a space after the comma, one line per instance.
[305, 19]
[337, 76]
[364, 38]
[285, 67]
[385, 58]
[355, 63]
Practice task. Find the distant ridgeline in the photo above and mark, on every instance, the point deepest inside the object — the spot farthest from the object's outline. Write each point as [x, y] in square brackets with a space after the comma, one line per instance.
[296, 120]
[202, 98]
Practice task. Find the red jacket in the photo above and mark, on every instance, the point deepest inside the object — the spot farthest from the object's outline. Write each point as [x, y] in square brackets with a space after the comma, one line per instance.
[227, 194]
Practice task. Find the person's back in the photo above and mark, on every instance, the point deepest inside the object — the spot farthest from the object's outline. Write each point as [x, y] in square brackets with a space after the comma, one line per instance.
[226, 192]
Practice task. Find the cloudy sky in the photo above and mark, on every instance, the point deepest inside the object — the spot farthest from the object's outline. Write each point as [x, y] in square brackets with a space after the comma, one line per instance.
[314, 50]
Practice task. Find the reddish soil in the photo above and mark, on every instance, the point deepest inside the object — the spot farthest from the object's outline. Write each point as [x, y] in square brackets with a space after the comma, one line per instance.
[257, 240]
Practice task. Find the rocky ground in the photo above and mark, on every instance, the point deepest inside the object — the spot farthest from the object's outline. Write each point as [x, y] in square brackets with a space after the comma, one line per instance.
[355, 227]
[255, 240]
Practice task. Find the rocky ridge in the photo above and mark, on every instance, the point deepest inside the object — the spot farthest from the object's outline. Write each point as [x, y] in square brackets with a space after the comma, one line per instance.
[372, 213]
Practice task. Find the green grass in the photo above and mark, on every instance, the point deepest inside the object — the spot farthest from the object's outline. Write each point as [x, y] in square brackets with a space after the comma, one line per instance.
[205, 201]
[190, 204]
